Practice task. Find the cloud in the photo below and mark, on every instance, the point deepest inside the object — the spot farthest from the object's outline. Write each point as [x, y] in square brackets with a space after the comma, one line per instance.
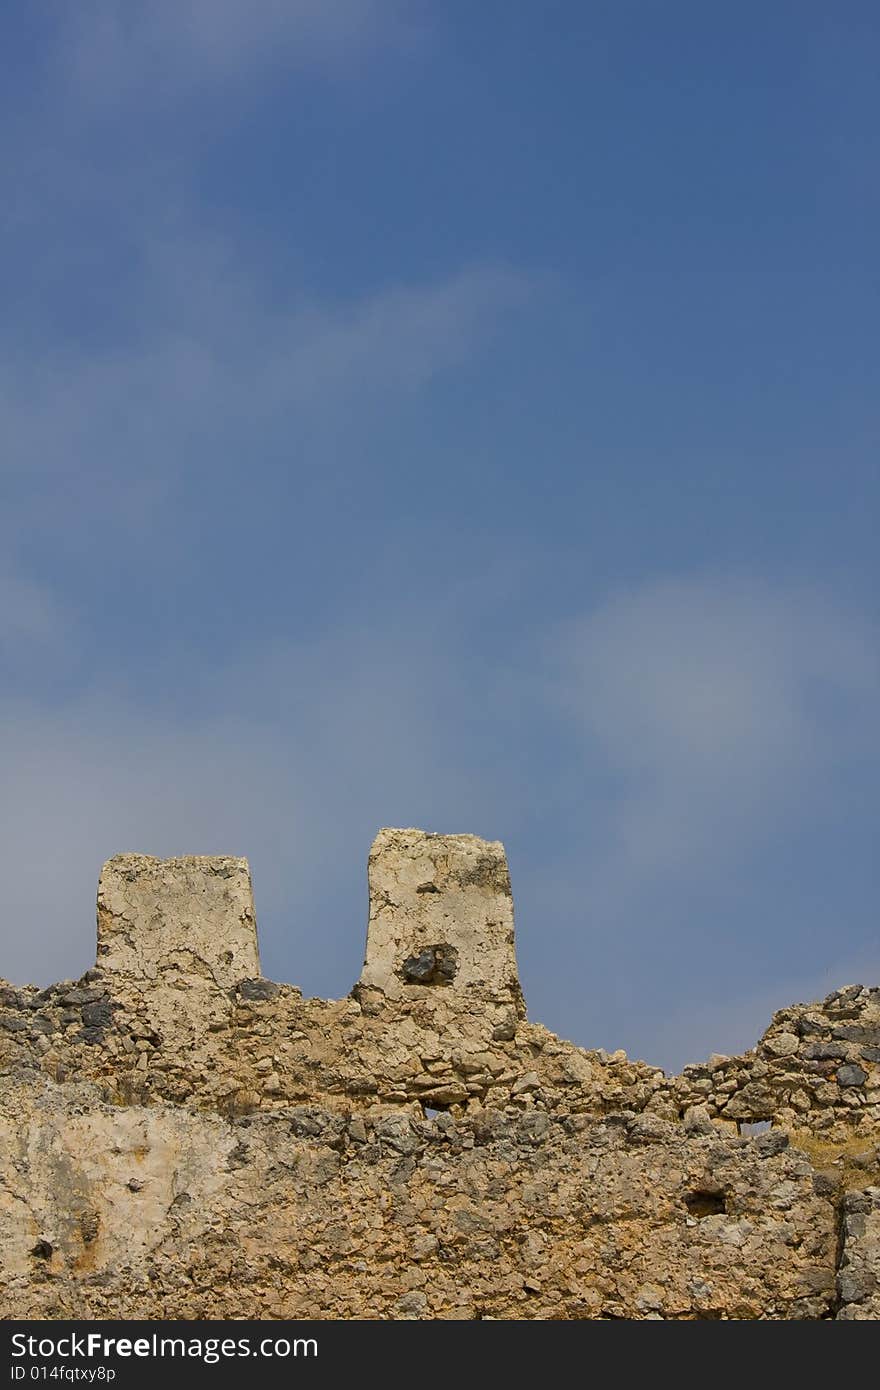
[209, 345]
[734, 1024]
[702, 843]
[733, 709]
[28, 613]
[717, 706]
[296, 754]
[38, 633]
[136, 430]
[214, 367]
[404, 337]
[83, 781]
[116, 49]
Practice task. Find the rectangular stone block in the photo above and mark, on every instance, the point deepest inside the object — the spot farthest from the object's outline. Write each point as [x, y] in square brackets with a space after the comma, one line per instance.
[195, 914]
[441, 919]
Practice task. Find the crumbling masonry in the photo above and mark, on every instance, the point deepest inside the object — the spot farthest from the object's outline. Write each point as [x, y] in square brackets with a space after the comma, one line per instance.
[181, 1138]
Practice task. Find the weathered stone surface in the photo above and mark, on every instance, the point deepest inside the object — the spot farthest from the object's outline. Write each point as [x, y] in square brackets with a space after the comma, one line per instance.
[166, 1212]
[193, 917]
[180, 1137]
[851, 1076]
[441, 916]
[858, 1281]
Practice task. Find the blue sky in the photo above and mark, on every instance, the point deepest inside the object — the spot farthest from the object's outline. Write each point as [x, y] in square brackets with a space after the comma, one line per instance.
[454, 415]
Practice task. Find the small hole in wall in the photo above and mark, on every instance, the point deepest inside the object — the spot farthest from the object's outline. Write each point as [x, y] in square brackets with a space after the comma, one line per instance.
[705, 1202]
[43, 1250]
[748, 1127]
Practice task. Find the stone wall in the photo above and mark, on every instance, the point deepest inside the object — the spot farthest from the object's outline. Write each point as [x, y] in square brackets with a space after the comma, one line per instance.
[184, 1138]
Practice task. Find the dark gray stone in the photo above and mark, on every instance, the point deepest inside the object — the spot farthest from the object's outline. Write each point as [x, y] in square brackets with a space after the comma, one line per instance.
[13, 1024]
[402, 1172]
[447, 962]
[258, 989]
[99, 1014]
[773, 1142]
[851, 1076]
[843, 996]
[826, 1184]
[307, 1121]
[806, 1026]
[397, 1135]
[824, 1051]
[854, 1287]
[419, 970]
[857, 1032]
[857, 1201]
[870, 1054]
[533, 1127]
[435, 965]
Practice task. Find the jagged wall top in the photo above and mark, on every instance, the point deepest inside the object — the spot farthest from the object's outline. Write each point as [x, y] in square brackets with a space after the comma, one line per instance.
[440, 927]
[176, 1007]
[182, 1137]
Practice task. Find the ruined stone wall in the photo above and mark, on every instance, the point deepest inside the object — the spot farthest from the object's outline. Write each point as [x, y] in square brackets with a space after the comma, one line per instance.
[183, 1138]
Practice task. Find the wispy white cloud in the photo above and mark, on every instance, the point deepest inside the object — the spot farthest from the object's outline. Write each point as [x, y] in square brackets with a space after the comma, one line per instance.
[298, 753]
[213, 345]
[112, 43]
[717, 706]
[733, 1024]
[404, 337]
[704, 860]
[717, 714]
[28, 613]
[215, 365]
